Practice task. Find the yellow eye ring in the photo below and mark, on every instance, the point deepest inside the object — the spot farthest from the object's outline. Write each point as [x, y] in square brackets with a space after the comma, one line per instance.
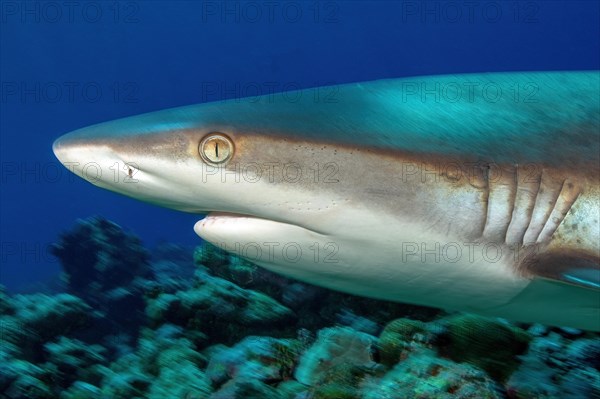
[216, 149]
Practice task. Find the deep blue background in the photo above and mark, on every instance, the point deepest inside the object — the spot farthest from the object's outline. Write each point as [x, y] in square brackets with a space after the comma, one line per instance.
[149, 55]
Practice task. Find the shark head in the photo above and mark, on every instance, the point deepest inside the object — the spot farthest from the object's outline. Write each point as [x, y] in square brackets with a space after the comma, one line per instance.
[156, 158]
[378, 192]
[198, 159]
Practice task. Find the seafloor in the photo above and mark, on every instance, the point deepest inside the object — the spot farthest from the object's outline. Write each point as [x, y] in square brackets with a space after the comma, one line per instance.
[125, 323]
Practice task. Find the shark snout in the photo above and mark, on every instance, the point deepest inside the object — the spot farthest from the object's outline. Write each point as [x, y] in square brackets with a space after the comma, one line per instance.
[61, 150]
[71, 154]
[88, 159]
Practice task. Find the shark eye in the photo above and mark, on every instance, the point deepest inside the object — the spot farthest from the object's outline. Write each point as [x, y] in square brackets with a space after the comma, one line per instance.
[216, 148]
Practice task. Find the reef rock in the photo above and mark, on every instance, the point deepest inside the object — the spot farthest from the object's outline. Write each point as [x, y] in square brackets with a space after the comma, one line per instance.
[82, 390]
[489, 344]
[164, 365]
[109, 269]
[334, 355]
[556, 366]
[245, 389]
[98, 256]
[396, 339]
[254, 358]
[220, 309]
[424, 375]
[71, 359]
[23, 380]
[40, 318]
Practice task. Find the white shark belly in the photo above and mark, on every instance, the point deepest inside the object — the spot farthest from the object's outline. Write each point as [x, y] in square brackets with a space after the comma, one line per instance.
[371, 255]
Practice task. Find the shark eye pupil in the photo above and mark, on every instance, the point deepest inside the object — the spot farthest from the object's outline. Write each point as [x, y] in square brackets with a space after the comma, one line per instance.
[216, 148]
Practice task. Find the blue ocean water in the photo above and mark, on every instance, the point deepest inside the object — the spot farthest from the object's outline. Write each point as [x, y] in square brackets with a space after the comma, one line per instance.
[65, 65]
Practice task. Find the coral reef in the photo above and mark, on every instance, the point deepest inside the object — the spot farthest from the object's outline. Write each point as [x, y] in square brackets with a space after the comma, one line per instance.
[97, 256]
[219, 309]
[490, 344]
[207, 325]
[38, 319]
[424, 375]
[163, 365]
[556, 366]
[336, 351]
[396, 338]
[109, 269]
[28, 325]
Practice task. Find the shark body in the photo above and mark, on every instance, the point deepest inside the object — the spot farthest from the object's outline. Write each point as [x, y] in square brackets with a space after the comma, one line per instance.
[478, 193]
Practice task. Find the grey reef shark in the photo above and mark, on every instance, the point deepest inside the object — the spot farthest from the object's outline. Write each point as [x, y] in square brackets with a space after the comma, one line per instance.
[475, 192]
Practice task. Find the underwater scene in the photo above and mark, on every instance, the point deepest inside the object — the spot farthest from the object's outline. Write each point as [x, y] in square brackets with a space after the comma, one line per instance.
[299, 199]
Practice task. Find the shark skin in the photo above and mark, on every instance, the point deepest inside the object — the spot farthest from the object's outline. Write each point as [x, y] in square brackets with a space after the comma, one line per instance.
[478, 192]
